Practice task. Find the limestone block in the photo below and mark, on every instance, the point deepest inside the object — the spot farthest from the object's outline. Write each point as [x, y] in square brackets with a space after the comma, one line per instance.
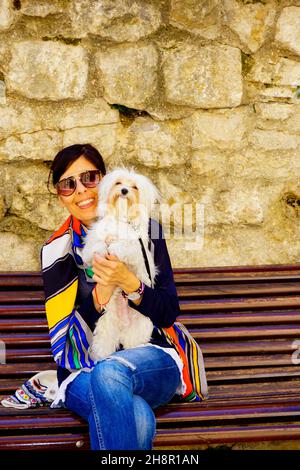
[293, 123]
[40, 145]
[270, 241]
[211, 162]
[103, 137]
[17, 117]
[275, 71]
[274, 111]
[41, 8]
[198, 17]
[46, 70]
[250, 21]
[283, 117]
[27, 197]
[128, 74]
[173, 194]
[224, 129]
[261, 92]
[157, 144]
[18, 254]
[239, 205]
[288, 29]
[202, 77]
[274, 140]
[270, 164]
[126, 20]
[228, 201]
[39, 209]
[229, 246]
[6, 14]
[89, 113]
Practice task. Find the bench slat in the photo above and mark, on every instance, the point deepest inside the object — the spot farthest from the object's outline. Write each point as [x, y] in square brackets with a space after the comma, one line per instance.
[22, 311]
[248, 331]
[35, 324]
[206, 318]
[35, 341]
[172, 414]
[32, 339]
[240, 303]
[240, 362]
[10, 370]
[61, 441]
[21, 296]
[252, 374]
[225, 290]
[246, 346]
[198, 436]
[165, 438]
[228, 318]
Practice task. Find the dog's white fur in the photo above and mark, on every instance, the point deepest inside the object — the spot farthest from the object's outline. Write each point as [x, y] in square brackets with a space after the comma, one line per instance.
[122, 220]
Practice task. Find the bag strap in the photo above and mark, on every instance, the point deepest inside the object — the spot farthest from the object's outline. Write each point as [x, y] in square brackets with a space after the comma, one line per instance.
[145, 259]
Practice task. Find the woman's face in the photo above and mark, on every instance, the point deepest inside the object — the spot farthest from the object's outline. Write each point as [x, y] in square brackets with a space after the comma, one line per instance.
[82, 203]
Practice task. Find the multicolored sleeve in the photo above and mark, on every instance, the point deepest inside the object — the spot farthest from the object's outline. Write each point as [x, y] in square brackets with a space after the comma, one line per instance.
[69, 334]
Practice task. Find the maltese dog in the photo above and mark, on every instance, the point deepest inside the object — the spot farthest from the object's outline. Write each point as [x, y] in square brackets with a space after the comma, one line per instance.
[126, 200]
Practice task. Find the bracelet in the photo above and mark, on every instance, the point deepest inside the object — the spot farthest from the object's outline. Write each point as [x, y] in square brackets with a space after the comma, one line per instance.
[136, 294]
[97, 299]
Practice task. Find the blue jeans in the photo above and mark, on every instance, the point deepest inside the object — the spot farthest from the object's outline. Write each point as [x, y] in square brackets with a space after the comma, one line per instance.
[118, 395]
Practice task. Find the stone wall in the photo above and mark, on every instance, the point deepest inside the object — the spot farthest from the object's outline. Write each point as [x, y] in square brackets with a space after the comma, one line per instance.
[202, 96]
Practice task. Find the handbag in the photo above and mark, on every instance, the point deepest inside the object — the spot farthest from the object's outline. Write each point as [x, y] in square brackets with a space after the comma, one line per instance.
[178, 336]
[193, 372]
[39, 390]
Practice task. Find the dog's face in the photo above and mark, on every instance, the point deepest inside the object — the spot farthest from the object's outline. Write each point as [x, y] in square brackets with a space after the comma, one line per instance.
[123, 189]
[126, 191]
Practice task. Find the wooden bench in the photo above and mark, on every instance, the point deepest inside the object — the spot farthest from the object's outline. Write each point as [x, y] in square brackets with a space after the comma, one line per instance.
[245, 320]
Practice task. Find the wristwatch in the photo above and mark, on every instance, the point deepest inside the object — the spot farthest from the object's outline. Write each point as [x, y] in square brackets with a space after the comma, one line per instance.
[135, 295]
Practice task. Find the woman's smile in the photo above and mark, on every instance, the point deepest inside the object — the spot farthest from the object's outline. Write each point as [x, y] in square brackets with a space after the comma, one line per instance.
[86, 203]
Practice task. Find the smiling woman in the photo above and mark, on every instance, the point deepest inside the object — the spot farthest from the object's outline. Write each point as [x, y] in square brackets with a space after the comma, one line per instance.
[76, 172]
[82, 178]
[117, 394]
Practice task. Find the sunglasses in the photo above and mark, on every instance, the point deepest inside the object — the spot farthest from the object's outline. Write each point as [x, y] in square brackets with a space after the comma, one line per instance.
[67, 186]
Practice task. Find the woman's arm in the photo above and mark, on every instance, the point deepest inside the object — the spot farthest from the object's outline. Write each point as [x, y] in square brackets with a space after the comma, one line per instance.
[159, 304]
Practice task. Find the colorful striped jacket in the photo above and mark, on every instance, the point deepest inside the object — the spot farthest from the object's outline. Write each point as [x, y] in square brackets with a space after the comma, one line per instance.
[72, 316]
[70, 325]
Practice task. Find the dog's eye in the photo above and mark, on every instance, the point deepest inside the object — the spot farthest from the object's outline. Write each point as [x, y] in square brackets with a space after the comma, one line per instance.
[135, 187]
[118, 182]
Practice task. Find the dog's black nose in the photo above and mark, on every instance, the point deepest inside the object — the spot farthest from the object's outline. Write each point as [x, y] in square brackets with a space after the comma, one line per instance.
[124, 191]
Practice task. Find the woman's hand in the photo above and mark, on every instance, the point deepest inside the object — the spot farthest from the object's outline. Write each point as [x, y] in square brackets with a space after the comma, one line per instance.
[110, 271]
[103, 289]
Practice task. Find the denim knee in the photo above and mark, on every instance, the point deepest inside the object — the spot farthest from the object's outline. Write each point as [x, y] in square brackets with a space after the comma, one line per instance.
[110, 373]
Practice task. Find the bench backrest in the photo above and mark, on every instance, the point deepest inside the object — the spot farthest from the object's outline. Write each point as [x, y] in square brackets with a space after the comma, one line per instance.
[246, 320]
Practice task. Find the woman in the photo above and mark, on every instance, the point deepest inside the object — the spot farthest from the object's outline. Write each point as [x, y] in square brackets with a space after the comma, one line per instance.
[117, 395]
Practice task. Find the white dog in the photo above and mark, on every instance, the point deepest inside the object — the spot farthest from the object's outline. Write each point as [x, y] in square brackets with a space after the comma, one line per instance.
[126, 200]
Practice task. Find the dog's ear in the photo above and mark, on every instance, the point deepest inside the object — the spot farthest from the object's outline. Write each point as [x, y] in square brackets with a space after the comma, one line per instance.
[149, 194]
[103, 195]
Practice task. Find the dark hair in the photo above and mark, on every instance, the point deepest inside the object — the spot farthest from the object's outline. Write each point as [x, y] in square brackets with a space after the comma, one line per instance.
[65, 157]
